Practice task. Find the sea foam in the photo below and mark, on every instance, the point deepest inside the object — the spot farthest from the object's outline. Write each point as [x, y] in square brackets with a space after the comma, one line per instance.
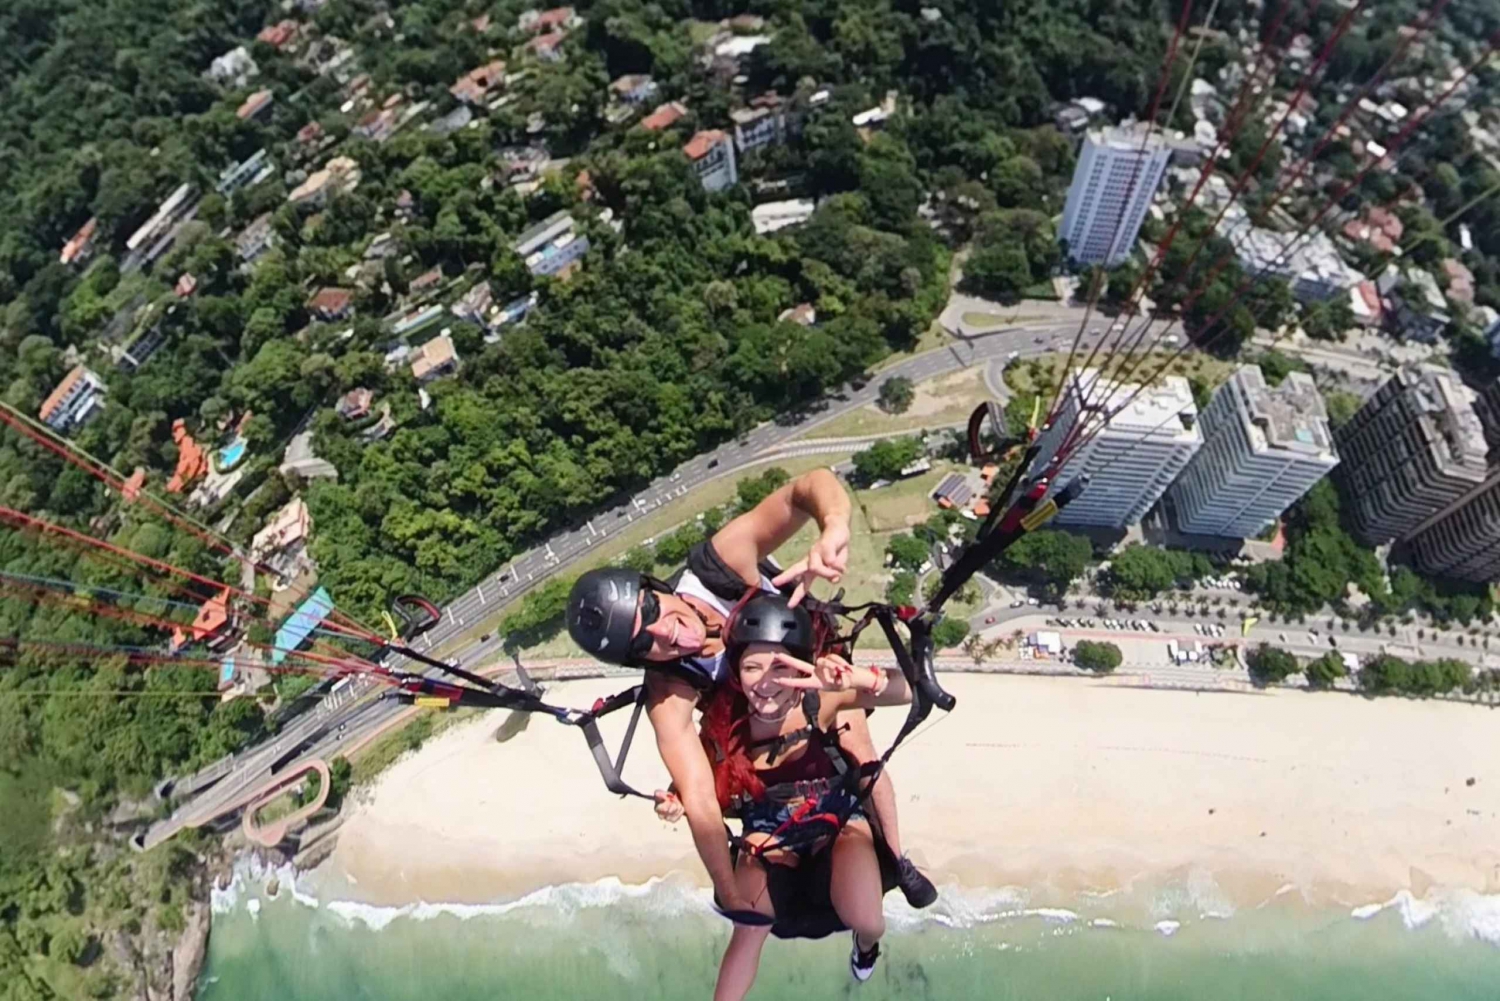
[1462, 914]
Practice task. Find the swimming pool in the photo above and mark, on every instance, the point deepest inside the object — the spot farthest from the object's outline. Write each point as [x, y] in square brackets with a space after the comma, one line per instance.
[231, 454]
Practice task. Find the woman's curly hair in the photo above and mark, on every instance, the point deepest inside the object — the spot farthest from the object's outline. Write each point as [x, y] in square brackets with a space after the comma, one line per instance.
[725, 729]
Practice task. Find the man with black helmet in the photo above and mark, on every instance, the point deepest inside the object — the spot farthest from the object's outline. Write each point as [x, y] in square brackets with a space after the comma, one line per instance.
[674, 631]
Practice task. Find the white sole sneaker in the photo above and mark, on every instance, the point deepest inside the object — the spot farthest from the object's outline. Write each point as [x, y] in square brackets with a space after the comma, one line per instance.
[862, 965]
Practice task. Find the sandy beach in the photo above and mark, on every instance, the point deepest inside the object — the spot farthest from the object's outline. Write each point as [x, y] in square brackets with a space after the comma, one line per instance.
[1060, 786]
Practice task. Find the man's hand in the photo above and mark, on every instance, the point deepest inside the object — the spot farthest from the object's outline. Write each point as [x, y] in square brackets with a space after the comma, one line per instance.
[668, 806]
[827, 559]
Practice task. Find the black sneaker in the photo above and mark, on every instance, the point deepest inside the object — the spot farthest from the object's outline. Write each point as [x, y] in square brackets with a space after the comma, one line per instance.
[862, 964]
[915, 887]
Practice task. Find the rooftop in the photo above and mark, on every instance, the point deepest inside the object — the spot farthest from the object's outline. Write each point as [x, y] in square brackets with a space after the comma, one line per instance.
[287, 527]
[704, 143]
[80, 242]
[254, 103]
[1133, 410]
[212, 616]
[55, 399]
[1290, 416]
[665, 116]
[301, 623]
[330, 300]
[1450, 405]
[432, 356]
[1127, 136]
[544, 232]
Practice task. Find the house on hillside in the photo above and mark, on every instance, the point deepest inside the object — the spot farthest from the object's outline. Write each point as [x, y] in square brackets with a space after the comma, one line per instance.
[279, 35]
[75, 400]
[474, 86]
[552, 245]
[281, 545]
[212, 626]
[665, 116]
[80, 247]
[331, 304]
[712, 155]
[435, 359]
[254, 105]
[234, 68]
[255, 239]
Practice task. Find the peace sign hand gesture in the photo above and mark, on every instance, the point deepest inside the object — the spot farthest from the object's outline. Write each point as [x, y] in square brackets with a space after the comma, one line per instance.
[831, 673]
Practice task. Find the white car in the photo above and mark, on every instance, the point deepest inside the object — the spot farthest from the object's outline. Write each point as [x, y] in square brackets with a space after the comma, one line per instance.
[1031, 601]
[1017, 603]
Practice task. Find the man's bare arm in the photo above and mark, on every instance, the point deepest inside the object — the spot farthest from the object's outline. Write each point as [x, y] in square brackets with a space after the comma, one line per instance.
[765, 528]
[669, 707]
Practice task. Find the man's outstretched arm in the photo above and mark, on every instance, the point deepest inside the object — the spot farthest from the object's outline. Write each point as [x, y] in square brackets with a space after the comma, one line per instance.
[669, 707]
[765, 528]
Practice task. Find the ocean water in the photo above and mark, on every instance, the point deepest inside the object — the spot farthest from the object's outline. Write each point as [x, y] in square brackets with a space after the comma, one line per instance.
[660, 941]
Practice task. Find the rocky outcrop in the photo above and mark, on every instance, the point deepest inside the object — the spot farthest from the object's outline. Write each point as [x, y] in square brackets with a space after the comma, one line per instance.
[191, 950]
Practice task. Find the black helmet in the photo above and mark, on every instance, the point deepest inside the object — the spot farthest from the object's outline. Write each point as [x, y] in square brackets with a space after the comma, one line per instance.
[601, 612]
[766, 618]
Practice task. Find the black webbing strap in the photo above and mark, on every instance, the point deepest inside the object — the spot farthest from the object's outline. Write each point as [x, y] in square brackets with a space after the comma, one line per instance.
[610, 770]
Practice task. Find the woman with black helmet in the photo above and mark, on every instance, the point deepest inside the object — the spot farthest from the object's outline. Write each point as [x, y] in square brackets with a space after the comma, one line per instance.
[769, 733]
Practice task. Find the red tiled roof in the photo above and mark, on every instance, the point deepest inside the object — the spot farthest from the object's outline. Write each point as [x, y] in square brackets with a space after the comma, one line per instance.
[311, 132]
[81, 239]
[55, 398]
[664, 117]
[277, 35]
[703, 143]
[546, 43]
[330, 301]
[253, 104]
[212, 616]
[191, 462]
[131, 488]
[549, 19]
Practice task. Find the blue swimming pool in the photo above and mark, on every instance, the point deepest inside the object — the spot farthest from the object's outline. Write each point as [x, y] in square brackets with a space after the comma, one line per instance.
[232, 453]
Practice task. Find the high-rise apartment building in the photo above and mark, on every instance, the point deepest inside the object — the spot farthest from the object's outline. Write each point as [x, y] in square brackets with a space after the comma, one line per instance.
[1263, 448]
[1415, 447]
[1117, 175]
[1134, 457]
[1463, 540]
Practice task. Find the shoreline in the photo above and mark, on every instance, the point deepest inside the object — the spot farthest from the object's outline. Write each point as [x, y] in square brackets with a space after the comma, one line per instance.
[1061, 787]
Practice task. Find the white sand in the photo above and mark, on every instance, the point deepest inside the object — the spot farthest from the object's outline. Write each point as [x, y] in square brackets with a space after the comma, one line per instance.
[1057, 785]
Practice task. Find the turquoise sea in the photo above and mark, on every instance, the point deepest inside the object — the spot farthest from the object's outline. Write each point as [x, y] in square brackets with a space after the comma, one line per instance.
[659, 941]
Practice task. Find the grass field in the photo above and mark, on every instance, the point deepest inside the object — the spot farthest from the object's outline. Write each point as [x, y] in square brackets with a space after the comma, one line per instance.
[939, 402]
[986, 321]
[1041, 374]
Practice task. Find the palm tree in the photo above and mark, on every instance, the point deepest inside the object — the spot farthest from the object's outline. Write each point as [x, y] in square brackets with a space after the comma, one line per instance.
[975, 646]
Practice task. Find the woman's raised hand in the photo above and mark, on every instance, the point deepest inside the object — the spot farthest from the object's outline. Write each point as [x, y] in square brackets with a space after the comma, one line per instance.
[830, 673]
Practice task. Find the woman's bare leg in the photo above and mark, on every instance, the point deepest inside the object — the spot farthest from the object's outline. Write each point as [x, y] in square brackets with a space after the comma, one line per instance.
[855, 887]
[742, 957]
